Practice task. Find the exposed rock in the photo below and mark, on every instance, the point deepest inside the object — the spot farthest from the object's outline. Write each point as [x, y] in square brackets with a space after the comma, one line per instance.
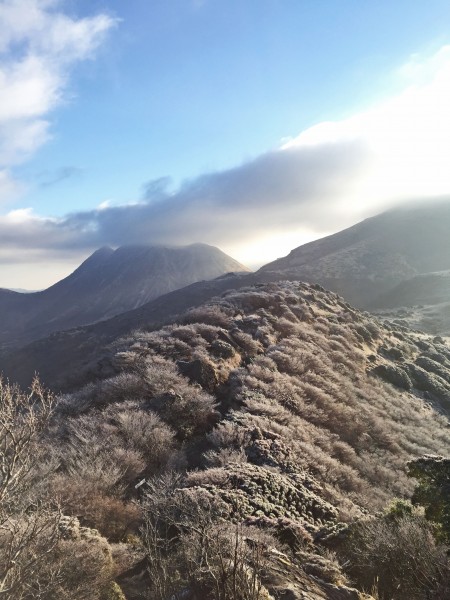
[253, 491]
[288, 581]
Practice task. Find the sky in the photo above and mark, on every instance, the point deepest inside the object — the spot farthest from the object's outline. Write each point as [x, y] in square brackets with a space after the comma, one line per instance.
[252, 125]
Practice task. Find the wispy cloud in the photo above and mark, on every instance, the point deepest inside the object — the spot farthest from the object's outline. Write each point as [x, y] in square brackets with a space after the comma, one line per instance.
[326, 178]
[39, 45]
[62, 174]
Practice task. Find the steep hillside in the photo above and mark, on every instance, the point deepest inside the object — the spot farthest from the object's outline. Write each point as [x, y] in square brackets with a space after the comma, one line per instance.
[108, 283]
[246, 441]
[299, 361]
[369, 259]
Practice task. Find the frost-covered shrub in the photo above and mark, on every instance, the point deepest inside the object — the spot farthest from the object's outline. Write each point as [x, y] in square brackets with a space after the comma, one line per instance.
[393, 374]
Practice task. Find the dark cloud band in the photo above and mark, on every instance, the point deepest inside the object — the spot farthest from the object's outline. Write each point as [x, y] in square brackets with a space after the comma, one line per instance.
[288, 188]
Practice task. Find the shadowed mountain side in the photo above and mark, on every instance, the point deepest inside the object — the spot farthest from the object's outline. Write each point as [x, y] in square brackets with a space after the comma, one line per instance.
[108, 283]
[422, 302]
[66, 359]
[430, 288]
[369, 259]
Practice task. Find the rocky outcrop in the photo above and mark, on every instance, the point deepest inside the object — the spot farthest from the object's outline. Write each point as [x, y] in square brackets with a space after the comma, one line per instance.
[253, 491]
[309, 578]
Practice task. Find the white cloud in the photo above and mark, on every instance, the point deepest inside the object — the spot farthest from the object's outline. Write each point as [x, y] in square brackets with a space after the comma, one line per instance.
[19, 139]
[407, 137]
[28, 88]
[44, 30]
[104, 205]
[39, 44]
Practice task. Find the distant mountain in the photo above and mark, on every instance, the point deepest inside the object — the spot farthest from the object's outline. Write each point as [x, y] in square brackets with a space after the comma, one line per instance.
[108, 283]
[396, 258]
[368, 260]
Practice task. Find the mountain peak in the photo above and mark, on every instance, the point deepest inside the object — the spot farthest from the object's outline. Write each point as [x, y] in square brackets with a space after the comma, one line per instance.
[107, 283]
[96, 257]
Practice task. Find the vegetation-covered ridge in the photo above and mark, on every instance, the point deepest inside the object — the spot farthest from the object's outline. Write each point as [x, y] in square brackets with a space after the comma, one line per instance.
[277, 409]
[295, 367]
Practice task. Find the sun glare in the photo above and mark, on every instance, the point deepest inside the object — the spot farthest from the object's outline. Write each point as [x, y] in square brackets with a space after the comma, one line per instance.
[406, 137]
[262, 250]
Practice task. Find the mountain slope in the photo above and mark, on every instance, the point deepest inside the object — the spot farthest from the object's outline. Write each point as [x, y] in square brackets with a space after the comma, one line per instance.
[369, 259]
[107, 283]
[65, 359]
[274, 403]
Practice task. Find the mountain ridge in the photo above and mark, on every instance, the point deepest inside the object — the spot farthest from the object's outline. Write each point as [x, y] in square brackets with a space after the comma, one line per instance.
[276, 410]
[370, 258]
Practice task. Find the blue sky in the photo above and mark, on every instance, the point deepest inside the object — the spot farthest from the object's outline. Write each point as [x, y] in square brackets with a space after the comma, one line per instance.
[205, 92]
